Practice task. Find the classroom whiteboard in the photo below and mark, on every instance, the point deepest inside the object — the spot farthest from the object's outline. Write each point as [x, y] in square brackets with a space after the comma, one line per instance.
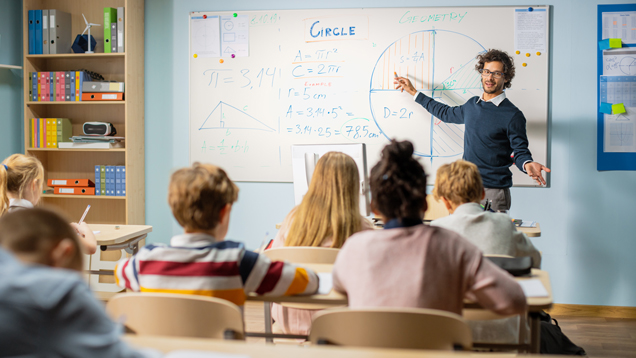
[326, 76]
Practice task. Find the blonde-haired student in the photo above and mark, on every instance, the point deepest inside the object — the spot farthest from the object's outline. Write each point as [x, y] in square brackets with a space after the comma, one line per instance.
[328, 214]
[47, 312]
[21, 182]
[409, 264]
[458, 185]
[198, 261]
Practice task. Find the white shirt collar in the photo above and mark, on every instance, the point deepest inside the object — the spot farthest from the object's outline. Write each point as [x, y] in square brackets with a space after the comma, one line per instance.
[21, 203]
[496, 101]
[192, 240]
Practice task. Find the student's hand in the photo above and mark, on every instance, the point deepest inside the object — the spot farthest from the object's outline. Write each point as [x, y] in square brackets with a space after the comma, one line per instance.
[403, 84]
[534, 171]
[87, 238]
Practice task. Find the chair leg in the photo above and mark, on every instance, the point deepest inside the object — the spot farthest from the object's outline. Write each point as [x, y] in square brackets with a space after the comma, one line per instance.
[268, 320]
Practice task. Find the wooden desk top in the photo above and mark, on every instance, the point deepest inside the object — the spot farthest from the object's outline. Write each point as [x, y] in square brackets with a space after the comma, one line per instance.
[259, 350]
[531, 231]
[337, 299]
[108, 235]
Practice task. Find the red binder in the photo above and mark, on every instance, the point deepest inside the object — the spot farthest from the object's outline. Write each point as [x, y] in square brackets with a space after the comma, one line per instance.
[74, 190]
[70, 182]
[102, 96]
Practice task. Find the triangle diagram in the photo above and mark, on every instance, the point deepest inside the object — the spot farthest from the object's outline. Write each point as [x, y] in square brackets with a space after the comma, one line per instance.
[622, 117]
[464, 78]
[229, 50]
[225, 116]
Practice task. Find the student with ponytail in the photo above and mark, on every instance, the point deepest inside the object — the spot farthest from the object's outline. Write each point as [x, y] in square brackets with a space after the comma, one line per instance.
[409, 264]
[21, 182]
[328, 214]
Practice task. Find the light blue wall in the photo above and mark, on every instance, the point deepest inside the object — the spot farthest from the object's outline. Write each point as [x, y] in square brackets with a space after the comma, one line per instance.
[10, 80]
[587, 217]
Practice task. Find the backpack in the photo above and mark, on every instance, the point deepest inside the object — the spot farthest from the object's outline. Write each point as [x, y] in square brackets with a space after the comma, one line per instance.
[553, 341]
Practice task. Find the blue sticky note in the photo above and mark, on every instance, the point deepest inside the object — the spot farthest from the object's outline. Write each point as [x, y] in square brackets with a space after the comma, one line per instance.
[604, 44]
[606, 108]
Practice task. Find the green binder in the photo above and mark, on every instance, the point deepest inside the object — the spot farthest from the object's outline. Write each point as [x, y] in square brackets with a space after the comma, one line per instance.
[110, 16]
[64, 130]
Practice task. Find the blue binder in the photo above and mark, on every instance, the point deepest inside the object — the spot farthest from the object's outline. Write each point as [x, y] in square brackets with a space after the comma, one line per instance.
[31, 32]
[38, 32]
[34, 84]
[98, 177]
[123, 181]
[52, 86]
[118, 180]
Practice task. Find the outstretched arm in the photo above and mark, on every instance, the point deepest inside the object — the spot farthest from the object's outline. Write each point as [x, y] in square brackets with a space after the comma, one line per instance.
[440, 110]
[534, 171]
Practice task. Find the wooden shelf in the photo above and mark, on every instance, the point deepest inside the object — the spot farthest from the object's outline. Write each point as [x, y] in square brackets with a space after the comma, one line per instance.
[76, 150]
[67, 196]
[40, 103]
[77, 55]
[11, 67]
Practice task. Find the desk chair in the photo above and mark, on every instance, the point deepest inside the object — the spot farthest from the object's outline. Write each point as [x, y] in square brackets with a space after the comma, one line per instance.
[411, 328]
[177, 315]
[303, 254]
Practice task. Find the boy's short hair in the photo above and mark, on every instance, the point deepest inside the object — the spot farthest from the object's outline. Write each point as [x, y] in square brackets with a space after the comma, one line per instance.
[459, 182]
[32, 233]
[197, 194]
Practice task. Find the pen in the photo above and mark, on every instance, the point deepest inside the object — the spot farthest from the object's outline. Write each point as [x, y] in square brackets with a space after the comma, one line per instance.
[85, 212]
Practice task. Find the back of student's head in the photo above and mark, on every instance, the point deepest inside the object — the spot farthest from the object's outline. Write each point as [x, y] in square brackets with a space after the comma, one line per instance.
[198, 193]
[330, 208]
[398, 183]
[17, 173]
[458, 182]
[41, 236]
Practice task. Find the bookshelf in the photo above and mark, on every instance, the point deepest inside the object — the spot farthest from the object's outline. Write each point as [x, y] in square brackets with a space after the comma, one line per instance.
[127, 116]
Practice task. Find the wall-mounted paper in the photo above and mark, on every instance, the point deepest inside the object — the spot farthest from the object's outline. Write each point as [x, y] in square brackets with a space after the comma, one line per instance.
[619, 62]
[205, 36]
[620, 25]
[530, 29]
[235, 36]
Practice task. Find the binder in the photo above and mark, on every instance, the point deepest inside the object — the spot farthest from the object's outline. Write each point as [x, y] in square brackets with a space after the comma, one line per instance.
[34, 89]
[60, 36]
[78, 80]
[99, 86]
[51, 86]
[45, 32]
[42, 93]
[31, 133]
[49, 132]
[64, 130]
[42, 133]
[97, 180]
[113, 37]
[110, 180]
[31, 32]
[74, 190]
[123, 180]
[38, 32]
[110, 16]
[53, 133]
[70, 183]
[102, 179]
[62, 86]
[59, 77]
[101, 96]
[118, 180]
[120, 29]
[30, 87]
[67, 85]
[71, 74]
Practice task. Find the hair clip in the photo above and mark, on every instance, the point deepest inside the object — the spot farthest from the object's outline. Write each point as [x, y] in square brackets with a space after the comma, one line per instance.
[385, 177]
[5, 167]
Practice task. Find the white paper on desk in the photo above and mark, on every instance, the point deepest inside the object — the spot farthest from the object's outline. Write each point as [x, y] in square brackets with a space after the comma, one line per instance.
[533, 288]
[325, 283]
[526, 223]
[96, 232]
[183, 353]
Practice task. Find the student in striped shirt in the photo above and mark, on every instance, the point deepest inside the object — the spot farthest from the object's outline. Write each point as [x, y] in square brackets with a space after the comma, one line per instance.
[199, 262]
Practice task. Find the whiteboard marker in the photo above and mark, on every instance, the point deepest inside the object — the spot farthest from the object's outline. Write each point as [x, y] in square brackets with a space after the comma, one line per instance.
[395, 74]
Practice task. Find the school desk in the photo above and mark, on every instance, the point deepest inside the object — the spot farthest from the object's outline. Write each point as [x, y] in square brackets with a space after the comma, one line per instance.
[535, 305]
[117, 237]
[256, 350]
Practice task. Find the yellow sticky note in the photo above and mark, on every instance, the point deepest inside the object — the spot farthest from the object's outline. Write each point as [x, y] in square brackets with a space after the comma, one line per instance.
[615, 43]
[618, 108]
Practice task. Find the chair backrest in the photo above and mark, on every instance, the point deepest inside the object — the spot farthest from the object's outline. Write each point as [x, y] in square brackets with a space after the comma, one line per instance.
[177, 315]
[412, 328]
[303, 254]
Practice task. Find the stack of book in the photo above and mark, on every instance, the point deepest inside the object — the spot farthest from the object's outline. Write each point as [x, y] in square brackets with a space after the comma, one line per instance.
[49, 32]
[93, 142]
[72, 186]
[110, 180]
[113, 29]
[60, 86]
[102, 91]
[49, 132]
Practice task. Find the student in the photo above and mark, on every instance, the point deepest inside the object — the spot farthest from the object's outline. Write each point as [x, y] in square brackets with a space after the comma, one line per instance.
[199, 261]
[328, 214]
[458, 185]
[21, 181]
[409, 264]
[47, 312]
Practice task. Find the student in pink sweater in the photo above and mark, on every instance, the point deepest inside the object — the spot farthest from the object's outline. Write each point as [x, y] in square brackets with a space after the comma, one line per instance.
[409, 264]
[328, 214]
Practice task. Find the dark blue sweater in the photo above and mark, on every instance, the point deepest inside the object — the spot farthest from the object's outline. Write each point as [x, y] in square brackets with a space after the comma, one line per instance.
[491, 134]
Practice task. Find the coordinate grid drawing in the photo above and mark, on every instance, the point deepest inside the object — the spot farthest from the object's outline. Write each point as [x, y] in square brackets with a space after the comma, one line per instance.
[326, 77]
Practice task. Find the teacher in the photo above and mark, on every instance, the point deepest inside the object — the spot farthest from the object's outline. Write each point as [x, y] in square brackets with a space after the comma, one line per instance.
[495, 133]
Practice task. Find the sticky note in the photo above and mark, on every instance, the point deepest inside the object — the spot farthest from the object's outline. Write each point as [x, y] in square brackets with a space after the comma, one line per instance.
[604, 44]
[606, 108]
[615, 43]
[618, 108]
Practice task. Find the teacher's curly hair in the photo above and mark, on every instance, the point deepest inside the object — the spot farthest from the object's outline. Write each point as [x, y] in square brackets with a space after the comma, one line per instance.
[500, 56]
